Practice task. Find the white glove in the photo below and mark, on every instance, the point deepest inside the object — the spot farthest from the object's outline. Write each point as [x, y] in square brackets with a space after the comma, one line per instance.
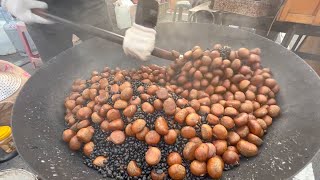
[139, 42]
[21, 9]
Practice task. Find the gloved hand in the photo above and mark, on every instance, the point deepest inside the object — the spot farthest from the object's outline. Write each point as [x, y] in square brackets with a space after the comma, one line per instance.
[21, 9]
[139, 42]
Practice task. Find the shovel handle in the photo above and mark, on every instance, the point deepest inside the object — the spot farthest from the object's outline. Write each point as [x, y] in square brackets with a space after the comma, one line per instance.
[104, 34]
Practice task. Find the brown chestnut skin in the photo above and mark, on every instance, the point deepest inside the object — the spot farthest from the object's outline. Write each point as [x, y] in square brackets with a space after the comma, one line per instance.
[217, 109]
[219, 132]
[162, 93]
[256, 51]
[250, 95]
[188, 132]
[220, 90]
[195, 140]
[239, 96]
[129, 131]
[96, 108]
[171, 137]
[96, 118]
[80, 125]
[105, 126]
[152, 137]
[262, 123]
[246, 107]
[260, 112]
[120, 104]
[254, 139]
[182, 103]
[88, 149]
[169, 106]
[233, 138]
[142, 134]
[215, 167]
[193, 94]
[117, 137]
[206, 132]
[221, 146]
[74, 143]
[236, 64]
[67, 135]
[211, 151]
[212, 119]
[243, 131]
[177, 172]
[161, 126]
[233, 103]
[104, 109]
[135, 101]
[113, 114]
[181, 115]
[204, 110]
[133, 169]
[145, 96]
[230, 157]
[157, 104]
[209, 89]
[126, 94]
[243, 53]
[233, 148]
[273, 111]
[190, 110]
[130, 111]
[84, 135]
[91, 129]
[147, 108]
[99, 161]
[189, 150]
[138, 125]
[117, 124]
[192, 119]
[227, 122]
[156, 176]
[255, 128]
[198, 168]
[174, 158]
[70, 104]
[241, 119]
[230, 111]
[268, 120]
[124, 85]
[247, 149]
[153, 156]
[201, 153]
[84, 113]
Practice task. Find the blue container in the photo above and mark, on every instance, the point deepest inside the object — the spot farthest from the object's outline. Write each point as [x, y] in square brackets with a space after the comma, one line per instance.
[10, 27]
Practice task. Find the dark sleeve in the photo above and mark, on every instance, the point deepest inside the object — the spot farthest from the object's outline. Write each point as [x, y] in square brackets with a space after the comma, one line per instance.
[147, 13]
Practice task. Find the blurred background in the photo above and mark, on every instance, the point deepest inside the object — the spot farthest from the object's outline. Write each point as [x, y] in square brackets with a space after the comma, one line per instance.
[292, 23]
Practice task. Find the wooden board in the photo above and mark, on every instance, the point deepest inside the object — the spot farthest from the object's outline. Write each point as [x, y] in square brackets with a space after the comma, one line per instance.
[298, 11]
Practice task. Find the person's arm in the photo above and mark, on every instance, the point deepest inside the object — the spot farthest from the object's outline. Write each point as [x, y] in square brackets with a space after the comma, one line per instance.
[140, 38]
[21, 9]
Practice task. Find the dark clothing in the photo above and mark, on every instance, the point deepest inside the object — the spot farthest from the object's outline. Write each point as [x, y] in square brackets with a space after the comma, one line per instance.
[51, 40]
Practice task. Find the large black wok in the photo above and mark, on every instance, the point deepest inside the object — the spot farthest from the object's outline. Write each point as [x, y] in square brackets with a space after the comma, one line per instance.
[291, 142]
